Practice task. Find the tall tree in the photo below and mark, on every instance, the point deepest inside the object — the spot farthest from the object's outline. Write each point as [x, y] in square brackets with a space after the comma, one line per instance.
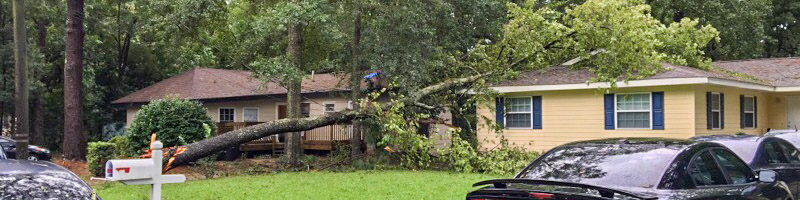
[21, 80]
[293, 88]
[355, 80]
[74, 139]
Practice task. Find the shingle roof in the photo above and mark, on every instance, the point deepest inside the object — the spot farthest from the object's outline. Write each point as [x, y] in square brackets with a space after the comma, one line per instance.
[206, 83]
[774, 72]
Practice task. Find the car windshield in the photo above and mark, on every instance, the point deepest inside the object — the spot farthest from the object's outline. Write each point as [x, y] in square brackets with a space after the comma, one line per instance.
[43, 186]
[745, 149]
[623, 165]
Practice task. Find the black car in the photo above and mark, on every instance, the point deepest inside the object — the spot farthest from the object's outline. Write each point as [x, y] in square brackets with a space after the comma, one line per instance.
[764, 153]
[34, 152]
[792, 136]
[636, 168]
[21, 179]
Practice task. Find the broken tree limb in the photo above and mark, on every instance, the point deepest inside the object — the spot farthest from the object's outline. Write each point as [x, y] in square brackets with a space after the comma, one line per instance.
[203, 148]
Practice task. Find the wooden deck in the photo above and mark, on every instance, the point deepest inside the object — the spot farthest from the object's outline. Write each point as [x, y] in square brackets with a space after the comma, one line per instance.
[323, 138]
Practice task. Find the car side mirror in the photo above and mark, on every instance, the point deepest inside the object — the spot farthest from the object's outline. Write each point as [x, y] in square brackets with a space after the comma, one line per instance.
[767, 176]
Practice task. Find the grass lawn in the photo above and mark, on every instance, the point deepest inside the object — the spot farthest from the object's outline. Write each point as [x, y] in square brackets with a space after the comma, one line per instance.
[313, 185]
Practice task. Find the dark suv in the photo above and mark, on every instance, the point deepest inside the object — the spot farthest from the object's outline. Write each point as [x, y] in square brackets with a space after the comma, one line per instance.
[636, 168]
[34, 152]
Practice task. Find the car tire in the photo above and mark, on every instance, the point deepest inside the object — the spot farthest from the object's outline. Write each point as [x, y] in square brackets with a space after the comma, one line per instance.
[33, 158]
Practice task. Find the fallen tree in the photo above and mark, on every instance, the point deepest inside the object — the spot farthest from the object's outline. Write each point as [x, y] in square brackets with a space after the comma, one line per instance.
[203, 148]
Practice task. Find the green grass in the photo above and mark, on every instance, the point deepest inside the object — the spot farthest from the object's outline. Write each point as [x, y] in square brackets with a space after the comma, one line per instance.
[313, 185]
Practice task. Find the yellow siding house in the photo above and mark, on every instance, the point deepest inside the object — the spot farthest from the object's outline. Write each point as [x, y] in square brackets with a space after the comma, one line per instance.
[544, 109]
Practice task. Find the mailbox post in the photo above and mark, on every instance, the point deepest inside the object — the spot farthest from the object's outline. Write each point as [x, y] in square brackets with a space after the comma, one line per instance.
[142, 172]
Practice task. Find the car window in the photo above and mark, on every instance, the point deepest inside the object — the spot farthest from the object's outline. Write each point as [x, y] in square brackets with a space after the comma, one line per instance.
[790, 151]
[704, 170]
[737, 171]
[774, 153]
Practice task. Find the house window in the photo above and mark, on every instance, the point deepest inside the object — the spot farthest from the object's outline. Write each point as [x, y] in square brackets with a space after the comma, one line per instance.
[633, 110]
[330, 107]
[250, 114]
[305, 109]
[226, 114]
[518, 113]
[716, 110]
[749, 112]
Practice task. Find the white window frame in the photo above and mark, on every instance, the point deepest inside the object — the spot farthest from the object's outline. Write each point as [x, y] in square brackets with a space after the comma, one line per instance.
[325, 107]
[219, 114]
[719, 110]
[649, 110]
[250, 108]
[753, 111]
[505, 115]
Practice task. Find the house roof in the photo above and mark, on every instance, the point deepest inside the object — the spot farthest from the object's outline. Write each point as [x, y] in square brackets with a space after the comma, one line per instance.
[771, 72]
[206, 83]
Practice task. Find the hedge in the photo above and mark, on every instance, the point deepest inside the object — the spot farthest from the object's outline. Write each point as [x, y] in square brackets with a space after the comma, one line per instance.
[97, 154]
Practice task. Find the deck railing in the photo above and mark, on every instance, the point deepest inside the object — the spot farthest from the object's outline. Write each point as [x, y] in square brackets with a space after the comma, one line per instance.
[336, 132]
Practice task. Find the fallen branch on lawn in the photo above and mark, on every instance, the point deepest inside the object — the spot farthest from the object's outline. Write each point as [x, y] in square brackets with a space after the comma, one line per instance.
[203, 148]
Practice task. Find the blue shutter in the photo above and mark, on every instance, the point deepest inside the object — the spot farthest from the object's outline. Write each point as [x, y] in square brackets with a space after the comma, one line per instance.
[537, 112]
[721, 111]
[755, 111]
[609, 111]
[709, 118]
[658, 110]
[741, 111]
[499, 111]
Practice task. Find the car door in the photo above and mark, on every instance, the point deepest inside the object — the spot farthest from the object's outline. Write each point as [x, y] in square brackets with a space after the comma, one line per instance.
[741, 178]
[711, 181]
[789, 171]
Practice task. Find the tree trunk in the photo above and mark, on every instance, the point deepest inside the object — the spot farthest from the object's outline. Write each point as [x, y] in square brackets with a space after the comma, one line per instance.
[21, 81]
[37, 124]
[355, 83]
[74, 140]
[215, 144]
[293, 91]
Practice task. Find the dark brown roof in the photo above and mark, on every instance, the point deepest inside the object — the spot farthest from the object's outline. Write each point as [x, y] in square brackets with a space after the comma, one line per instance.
[779, 72]
[206, 83]
[775, 72]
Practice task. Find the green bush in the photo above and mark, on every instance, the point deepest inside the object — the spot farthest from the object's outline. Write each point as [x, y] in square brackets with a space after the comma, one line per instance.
[175, 121]
[124, 148]
[96, 156]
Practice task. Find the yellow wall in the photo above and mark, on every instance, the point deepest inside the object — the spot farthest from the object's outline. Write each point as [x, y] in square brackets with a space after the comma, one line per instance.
[732, 110]
[777, 106]
[576, 115]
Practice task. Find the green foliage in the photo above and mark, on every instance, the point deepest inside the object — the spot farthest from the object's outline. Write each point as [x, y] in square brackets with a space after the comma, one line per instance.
[176, 122]
[97, 153]
[124, 147]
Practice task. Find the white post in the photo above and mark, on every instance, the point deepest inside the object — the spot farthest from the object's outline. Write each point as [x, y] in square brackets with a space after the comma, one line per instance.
[157, 156]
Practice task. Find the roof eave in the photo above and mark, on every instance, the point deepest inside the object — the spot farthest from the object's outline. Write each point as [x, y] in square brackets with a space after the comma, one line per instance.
[646, 83]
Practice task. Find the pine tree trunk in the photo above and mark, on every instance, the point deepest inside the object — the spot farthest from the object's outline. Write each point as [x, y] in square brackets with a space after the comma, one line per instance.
[74, 140]
[355, 84]
[293, 94]
[37, 118]
[21, 81]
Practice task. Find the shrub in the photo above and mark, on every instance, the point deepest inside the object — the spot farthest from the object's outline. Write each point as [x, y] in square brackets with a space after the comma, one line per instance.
[97, 153]
[123, 147]
[175, 121]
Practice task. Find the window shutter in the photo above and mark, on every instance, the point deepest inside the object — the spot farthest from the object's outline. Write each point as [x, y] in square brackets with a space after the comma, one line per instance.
[710, 121]
[755, 112]
[741, 111]
[537, 112]
[721, 111]
[658, 110]
[609, 111]
[499, 111]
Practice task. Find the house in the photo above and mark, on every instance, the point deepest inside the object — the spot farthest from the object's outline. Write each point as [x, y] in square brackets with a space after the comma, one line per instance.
[546, 108]
[234, 99]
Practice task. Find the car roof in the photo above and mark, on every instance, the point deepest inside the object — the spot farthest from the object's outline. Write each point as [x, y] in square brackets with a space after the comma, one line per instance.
[12, 167]
[745, 146]
[666, 142]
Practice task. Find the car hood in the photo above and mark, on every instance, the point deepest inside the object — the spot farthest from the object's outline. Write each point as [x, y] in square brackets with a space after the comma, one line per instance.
[40, 180]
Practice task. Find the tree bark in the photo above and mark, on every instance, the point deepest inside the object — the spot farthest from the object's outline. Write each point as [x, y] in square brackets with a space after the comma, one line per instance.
[293, 91]
[355, 80]
[209, 146]
[74, 140]
[37, 123]
[21, 81]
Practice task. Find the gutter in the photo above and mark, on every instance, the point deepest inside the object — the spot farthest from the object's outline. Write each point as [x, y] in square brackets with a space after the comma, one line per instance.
[648, 83]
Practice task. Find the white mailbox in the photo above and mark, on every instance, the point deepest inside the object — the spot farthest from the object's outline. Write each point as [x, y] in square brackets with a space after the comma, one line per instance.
[142, 172]
[123, 170]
